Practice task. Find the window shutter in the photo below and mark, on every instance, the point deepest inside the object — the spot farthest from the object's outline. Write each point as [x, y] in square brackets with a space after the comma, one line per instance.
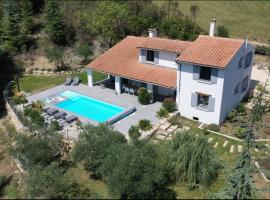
[143, 55]
[248, 59]
[196, 71]
[156, 57]
[214, 75]
[211, 104]
[194, 99]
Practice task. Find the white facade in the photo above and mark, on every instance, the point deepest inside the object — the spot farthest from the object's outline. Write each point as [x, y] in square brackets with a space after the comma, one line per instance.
[167, 59]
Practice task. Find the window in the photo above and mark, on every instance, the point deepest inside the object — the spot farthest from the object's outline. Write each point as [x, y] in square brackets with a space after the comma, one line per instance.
[203, 100]
[240, 63]
[150, 55]
[244, 84]
[205, 73]
[236, 90]
[248, 59]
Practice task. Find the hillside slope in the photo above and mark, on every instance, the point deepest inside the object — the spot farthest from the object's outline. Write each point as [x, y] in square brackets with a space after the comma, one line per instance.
[242, 18]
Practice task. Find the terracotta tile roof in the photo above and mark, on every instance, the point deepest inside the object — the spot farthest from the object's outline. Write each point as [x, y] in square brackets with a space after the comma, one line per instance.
[163, 44]
[123, 60]
[211, 51]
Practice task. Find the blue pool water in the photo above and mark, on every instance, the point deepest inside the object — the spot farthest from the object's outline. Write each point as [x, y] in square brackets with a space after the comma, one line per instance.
[88, 107]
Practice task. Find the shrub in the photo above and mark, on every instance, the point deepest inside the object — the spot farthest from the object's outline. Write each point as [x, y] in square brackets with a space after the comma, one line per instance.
[240, 132]
[54, 126]
[36, 118]
[205, 131]
[232, 115]
[162, 113]
[134, 133]
[145, 125]
[263, 50]
[3, 181]
[144, 97]
[213, 127]
[175, 120]
[222, 31]
[19, 100]
[169, 104]
[241, 108]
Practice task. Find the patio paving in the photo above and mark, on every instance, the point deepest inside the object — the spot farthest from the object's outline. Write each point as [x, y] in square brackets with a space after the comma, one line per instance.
[109, 96]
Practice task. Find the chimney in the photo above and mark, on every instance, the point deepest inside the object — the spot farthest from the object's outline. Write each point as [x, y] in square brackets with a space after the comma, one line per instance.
[152, 32]
[212, 28]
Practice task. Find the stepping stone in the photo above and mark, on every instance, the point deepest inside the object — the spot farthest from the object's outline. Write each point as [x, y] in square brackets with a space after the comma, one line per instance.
[160, 137]
[225, 143]
[232, 149]
[210, 140]
[267, 145]
[240, 148]
[196, 135]
[257, 150]
[216, 145]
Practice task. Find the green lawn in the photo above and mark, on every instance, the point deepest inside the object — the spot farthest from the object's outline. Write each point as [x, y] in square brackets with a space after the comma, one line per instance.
[242, 18]
[34, 83]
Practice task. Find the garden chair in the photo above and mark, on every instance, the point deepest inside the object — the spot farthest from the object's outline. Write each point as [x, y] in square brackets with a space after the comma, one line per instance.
[68, 81]
[76, 80]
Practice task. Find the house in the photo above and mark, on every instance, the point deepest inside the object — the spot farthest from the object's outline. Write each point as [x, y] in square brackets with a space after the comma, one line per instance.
[207, 77]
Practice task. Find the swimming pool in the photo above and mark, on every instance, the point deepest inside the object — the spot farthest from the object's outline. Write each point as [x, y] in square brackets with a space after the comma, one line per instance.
[88, 107]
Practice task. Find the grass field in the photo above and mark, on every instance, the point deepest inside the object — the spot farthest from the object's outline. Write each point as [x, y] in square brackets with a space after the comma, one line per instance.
[242, 18]
[33, 83]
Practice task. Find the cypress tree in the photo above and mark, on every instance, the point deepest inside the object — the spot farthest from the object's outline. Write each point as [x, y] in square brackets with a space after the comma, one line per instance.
[55, 26]
[27, 20]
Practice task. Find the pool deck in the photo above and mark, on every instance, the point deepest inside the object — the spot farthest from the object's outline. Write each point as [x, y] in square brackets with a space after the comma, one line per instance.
[109, 96]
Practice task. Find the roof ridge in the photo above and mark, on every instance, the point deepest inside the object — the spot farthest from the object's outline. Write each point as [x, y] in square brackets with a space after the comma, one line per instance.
[223, 38]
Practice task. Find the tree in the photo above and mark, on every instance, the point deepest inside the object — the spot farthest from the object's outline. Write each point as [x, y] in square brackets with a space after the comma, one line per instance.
[84, 50]
[193, 160]
[54, 24]
[179, 28]
[11, 36]
[55, 55]
[239, 183]
[27, 18]
[51, 182]
[110, 26]
[40, 149]
[91, 147]
[135, 172]
[194, 9]
[222, 31]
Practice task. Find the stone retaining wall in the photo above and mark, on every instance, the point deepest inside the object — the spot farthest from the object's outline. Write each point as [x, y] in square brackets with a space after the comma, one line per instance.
[52, 73]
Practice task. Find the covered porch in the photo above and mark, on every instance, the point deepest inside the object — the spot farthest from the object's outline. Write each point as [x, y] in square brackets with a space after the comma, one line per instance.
[126, 85]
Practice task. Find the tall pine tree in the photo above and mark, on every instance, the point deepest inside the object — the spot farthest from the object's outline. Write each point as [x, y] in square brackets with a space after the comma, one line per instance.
[11, 36]
[239, 184]
[55, 26]
[27, 17]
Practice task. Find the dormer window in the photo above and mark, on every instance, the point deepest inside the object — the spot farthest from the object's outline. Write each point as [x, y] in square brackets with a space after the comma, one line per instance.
[150, 56]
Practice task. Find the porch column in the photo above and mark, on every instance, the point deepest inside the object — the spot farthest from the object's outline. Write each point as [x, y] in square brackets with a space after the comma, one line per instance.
[90, 77]
[178, 88]
[118, 85]
[150, 89]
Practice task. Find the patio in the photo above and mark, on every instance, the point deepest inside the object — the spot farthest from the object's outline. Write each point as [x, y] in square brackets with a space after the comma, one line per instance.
[108, 95]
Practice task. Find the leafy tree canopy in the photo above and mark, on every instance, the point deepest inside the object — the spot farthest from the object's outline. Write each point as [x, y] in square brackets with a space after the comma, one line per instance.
[91, 148]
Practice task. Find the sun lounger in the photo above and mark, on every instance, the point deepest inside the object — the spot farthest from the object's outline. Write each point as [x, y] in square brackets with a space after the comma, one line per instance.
[50, 118]
[76, 80]
[52, 111]
[62, 123]
[61, 114]
[68, 81]
[71, 118]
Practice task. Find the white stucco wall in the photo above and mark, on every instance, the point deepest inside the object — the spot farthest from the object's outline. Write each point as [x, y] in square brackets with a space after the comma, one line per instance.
[233, 76]
[189, 86]
[90, 77]
[167, 59]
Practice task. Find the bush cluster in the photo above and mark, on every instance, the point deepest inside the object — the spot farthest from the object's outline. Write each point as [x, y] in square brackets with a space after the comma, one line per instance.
[169, 104]
[263, 50]
[162, 113]
[34, 116]
[144, 97]
[19, 100]
[213, 127]
[145, 125]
